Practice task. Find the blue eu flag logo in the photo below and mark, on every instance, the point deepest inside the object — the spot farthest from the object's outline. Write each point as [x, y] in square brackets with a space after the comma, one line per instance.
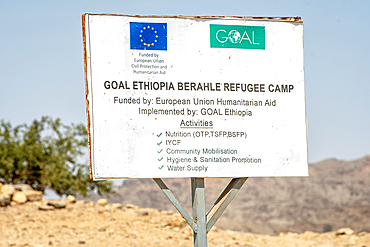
[148, 36]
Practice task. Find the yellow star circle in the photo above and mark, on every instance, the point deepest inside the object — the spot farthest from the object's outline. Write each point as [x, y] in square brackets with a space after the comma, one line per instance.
[141, 40]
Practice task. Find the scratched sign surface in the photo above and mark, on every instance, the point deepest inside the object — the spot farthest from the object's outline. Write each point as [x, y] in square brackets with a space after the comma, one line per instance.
[195, 96]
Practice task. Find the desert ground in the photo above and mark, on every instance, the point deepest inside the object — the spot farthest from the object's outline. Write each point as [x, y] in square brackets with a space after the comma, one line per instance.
[88, 223]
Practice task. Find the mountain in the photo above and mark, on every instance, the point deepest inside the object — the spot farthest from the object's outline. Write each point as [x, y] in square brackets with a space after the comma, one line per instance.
[335, 195]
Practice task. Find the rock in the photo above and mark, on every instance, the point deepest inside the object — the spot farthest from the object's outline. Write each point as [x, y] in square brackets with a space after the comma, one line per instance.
[57, 204]
[139, 213]
[102, 202]
[33, 195]
[117, 206]
[177, 222]
[352, 240]
[37, 204]
[102, 229]
[19, 197]
[46, 208]
[23, 187]
[344, 231]
[80, 202]
[4, 200]
[7, 189]
[71, 199]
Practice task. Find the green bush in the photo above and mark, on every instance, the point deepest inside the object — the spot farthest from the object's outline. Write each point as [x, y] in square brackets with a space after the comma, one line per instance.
[45, 154]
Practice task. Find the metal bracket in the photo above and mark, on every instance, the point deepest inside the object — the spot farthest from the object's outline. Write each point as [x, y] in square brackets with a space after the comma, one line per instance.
[202, 223]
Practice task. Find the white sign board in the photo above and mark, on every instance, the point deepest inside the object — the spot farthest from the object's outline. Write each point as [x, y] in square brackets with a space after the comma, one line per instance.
[195, 97]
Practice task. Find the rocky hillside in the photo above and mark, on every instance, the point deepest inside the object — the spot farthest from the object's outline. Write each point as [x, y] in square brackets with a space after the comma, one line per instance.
[337, 194]
[41, 223]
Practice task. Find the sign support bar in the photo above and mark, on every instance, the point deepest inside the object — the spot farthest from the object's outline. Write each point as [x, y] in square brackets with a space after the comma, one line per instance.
[176, 203]
[202, 223]
[223, 201]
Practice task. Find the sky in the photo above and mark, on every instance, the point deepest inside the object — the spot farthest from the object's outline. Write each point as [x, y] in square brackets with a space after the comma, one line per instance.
[42, 68]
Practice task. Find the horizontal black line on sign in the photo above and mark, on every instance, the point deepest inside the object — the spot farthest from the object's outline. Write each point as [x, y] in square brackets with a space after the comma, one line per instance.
[196, 127]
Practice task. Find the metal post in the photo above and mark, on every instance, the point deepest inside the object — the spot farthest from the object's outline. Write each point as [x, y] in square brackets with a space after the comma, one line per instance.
[202, 223]
[199, 211]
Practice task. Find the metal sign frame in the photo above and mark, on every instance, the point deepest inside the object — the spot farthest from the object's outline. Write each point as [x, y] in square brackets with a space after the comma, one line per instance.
[201, 222]
[217, 142]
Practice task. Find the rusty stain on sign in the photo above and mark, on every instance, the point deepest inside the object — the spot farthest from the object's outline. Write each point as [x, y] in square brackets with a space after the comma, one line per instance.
[87, 93]
[270, 18]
